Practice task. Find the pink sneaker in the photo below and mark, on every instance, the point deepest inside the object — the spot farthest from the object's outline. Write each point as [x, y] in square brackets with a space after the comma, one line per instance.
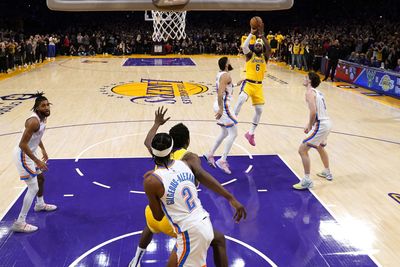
[45, 207]
[223, 165]
[210, 160]
[250, 138]
[23, 227]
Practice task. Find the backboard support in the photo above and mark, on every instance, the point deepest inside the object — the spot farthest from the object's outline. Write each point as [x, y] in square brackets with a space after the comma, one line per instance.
[187, 5]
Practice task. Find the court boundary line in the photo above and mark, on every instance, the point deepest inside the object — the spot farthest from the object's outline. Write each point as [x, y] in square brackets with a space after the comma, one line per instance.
[372, 257]
[12, 203]
[93, 249]
[325, 206]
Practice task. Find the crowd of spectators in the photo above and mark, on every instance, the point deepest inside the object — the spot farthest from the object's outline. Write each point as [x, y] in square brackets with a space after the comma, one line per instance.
[301, 45]
[376, 45]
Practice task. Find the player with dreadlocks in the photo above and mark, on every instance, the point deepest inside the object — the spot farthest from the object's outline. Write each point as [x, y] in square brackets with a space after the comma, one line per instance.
[181, 140]
[171, 190]
[29, 166]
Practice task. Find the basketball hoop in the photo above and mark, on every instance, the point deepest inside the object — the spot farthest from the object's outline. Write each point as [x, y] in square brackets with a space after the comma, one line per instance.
[168, 25]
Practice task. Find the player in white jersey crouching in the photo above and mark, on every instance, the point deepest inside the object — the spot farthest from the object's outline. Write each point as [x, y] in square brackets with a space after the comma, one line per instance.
[29, 166]
[317, 130]
[171, 190]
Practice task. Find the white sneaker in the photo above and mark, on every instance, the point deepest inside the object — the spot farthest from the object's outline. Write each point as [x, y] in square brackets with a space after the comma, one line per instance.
[304, 184]
[327, 176]
[44, 207]
[223, 165]
[23, 227]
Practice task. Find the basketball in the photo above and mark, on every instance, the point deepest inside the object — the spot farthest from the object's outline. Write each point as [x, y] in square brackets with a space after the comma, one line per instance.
[256, 22]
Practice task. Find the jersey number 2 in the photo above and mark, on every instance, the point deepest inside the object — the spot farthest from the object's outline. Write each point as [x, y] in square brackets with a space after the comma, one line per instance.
[188, 197]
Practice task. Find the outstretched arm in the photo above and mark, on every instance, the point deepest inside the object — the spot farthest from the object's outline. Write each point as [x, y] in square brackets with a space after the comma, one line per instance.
[246, 45]
[158, 121]
[210, 182]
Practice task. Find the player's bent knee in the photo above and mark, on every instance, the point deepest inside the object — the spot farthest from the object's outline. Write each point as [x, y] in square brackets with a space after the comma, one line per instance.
[303, 149]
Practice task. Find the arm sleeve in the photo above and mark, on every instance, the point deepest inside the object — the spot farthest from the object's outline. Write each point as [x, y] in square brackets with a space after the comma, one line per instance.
[246, 44]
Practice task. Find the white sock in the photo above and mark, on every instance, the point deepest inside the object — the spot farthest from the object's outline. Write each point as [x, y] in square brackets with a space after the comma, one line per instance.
[307, 176]
[327, 171]
[40, 200]
[218, 141]
[138, 257]
[30, 194]
[253, 129]
[256, 118]
[232, 133]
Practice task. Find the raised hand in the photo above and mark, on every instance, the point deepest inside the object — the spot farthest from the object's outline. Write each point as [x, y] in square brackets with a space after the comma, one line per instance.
[261, 30]
[159, 116]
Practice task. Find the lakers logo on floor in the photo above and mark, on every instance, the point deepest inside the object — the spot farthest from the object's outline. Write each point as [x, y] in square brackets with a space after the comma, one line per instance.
[395, 196]
[149, 91]
[16, 100]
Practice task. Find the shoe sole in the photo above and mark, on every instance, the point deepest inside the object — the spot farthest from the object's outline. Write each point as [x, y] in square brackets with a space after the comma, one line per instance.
[304, 188]
[44, 210]
[23, 231]
[323, 176]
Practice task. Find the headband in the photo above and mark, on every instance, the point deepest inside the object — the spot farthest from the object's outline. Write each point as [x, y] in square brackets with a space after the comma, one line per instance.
[260, 41]
[162, 153]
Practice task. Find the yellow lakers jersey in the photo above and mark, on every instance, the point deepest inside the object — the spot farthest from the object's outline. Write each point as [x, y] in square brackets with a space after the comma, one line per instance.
[280, 38]
[296, 49]
[302, 49]
[178, 154]
[270, 37]
[255, 68]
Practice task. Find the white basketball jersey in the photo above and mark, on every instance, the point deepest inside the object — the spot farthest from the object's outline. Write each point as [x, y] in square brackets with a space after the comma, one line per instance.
[180, 201]
[228, 91]
[36, 136]
[322, 113]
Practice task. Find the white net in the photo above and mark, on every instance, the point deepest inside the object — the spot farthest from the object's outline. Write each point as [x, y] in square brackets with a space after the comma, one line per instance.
[168, 25]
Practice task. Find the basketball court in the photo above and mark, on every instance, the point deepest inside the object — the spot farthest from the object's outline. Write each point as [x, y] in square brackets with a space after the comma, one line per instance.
[102, 110]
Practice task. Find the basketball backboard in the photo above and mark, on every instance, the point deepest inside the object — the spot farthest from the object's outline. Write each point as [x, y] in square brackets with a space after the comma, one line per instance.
[140, 5]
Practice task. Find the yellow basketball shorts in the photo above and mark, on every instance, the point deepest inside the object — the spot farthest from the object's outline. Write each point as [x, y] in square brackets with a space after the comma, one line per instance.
[155, 226]
[254, 91]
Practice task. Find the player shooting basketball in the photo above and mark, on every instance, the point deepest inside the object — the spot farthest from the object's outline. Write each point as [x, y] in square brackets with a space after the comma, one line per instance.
[256, 64]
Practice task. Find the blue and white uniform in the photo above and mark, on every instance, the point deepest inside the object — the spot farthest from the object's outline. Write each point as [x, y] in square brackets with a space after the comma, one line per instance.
[228, 118]
[184, 211]
[322, 127]
[25, 165]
